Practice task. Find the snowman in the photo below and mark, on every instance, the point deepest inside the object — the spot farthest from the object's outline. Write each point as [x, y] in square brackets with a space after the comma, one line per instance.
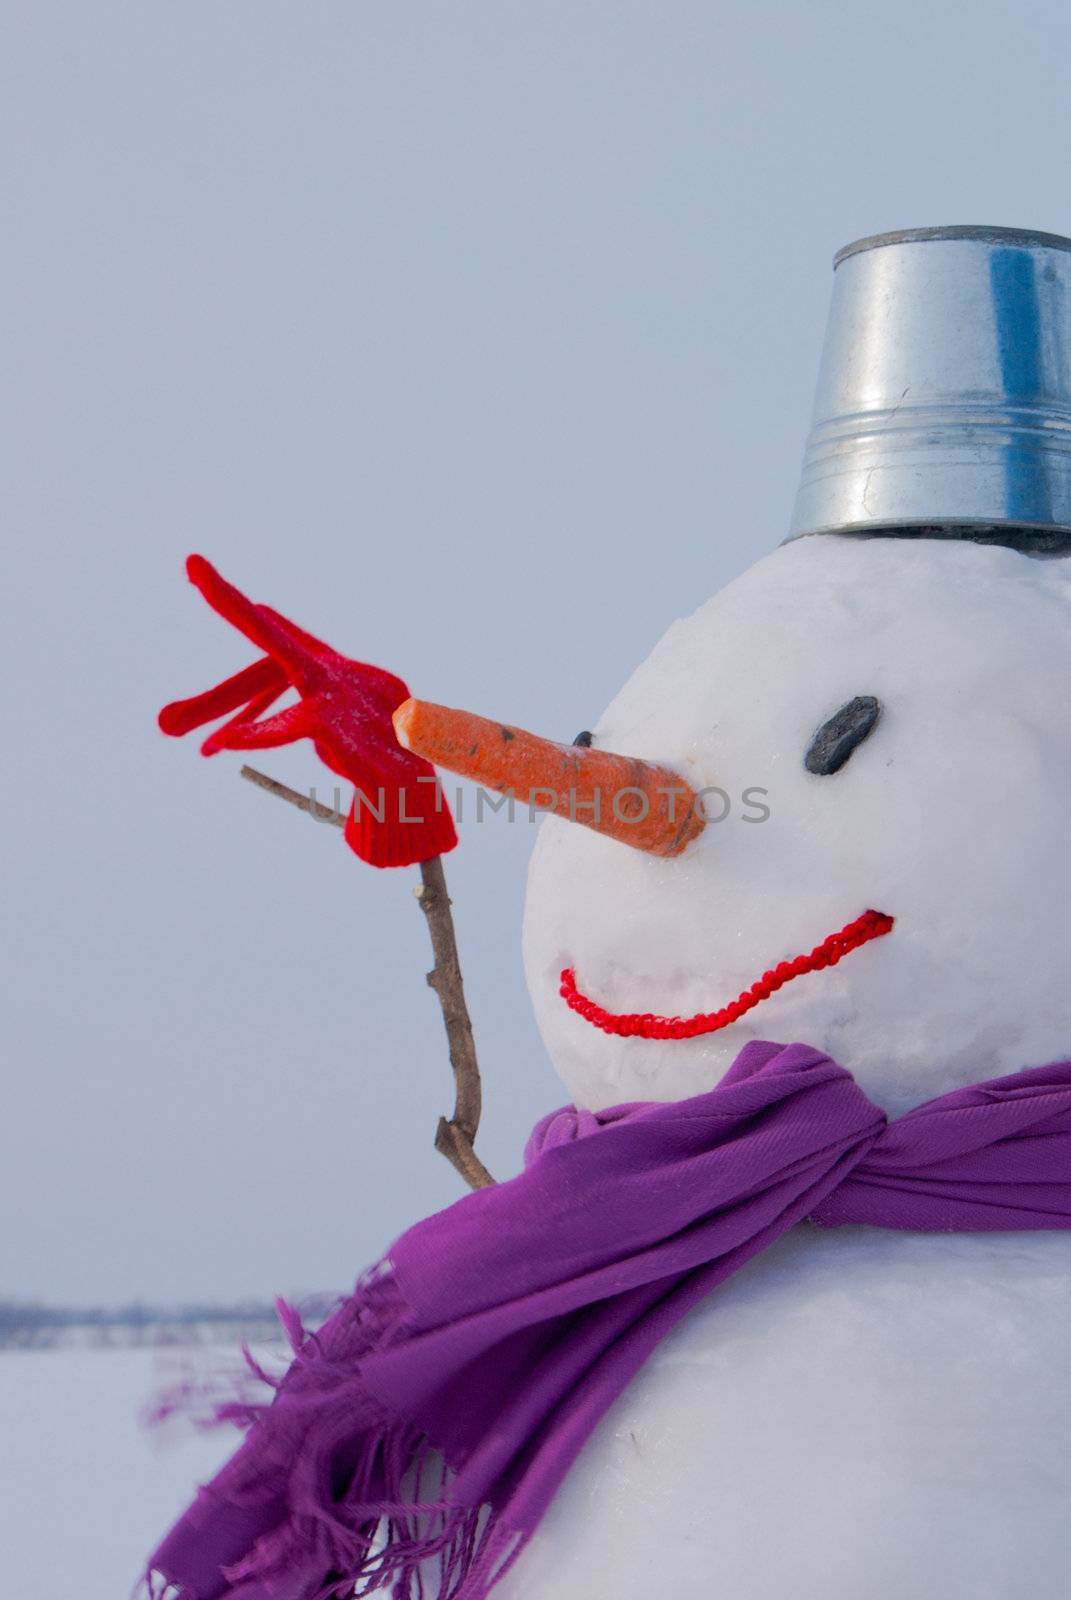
[858, 1412]
[860, 746]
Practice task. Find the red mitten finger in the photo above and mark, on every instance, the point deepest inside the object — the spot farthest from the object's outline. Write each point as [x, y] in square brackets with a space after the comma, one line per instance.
[182, 716]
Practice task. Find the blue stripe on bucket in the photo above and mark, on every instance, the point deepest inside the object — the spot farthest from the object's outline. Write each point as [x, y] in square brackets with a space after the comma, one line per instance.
[1017, 310]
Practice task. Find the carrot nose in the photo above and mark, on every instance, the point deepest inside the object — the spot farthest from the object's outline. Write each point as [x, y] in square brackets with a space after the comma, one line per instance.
[638, 803]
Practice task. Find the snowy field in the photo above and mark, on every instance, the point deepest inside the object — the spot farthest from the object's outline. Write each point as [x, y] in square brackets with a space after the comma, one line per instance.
[88, 1490]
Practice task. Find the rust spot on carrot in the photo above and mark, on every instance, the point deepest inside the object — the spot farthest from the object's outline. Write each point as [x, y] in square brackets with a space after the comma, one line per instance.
[507, 734]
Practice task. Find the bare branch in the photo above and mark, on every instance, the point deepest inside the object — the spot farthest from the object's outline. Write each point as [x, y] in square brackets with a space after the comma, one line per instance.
[455, 1136]
[303, 802]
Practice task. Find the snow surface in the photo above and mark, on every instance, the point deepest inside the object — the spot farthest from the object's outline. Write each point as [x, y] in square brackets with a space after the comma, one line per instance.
[859, 1415]
[87, 1491]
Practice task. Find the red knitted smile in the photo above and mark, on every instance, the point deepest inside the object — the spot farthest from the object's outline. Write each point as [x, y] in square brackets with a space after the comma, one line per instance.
[643, 1025]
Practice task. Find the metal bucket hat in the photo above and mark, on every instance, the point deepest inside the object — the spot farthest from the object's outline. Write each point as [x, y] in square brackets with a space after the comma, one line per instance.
[943, 407]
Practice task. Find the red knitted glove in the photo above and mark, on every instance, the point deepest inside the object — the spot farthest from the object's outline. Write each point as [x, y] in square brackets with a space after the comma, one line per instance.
[345, 709]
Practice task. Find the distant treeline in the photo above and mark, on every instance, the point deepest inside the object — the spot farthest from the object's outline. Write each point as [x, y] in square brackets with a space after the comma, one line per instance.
[34, 1325]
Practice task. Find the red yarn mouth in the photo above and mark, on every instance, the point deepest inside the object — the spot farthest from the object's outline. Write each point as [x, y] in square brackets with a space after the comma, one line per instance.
[643, 1025]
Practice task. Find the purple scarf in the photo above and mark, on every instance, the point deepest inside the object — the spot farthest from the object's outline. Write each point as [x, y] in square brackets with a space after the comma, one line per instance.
[434, 1415]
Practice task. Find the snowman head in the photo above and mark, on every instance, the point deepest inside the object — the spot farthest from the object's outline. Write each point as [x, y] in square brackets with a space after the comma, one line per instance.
[873, 721]
[942, 807]
[943, 411]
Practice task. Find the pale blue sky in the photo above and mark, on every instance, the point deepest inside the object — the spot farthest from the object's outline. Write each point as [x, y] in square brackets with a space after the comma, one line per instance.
[481, 339]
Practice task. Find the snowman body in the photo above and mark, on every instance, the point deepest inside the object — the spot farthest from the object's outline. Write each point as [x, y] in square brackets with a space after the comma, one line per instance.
[857, 1413]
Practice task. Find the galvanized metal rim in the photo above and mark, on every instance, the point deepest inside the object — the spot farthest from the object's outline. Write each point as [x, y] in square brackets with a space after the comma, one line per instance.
[1023, 237]
[1041, 540]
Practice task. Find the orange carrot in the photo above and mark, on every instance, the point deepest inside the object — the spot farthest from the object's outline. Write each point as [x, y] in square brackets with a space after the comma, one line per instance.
[646, 806]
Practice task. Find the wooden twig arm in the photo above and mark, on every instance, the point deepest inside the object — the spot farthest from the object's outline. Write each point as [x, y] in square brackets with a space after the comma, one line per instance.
[455, 1136]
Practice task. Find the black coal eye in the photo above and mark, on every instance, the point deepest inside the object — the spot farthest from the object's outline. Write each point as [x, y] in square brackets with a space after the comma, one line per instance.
[583, 739]
[837, 738]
